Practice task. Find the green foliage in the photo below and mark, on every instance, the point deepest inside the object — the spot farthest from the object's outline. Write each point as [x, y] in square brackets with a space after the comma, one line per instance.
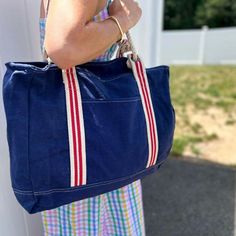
[179, 14]
[216, 13]
[188, 14]
[179, 146]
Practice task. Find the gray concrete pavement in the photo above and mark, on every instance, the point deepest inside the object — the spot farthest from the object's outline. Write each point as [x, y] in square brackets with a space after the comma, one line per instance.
[190, 198]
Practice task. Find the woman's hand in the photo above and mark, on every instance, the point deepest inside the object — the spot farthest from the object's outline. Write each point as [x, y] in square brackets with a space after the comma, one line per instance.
[127, 12]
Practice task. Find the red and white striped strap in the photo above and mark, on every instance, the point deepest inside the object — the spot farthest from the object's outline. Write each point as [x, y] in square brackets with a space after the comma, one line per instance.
[140, 75]
[75, 120]
[76, 131]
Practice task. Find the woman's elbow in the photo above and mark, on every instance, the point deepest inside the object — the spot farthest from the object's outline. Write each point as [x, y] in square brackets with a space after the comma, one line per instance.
[60, 54]
[68, 52]
[63, 51]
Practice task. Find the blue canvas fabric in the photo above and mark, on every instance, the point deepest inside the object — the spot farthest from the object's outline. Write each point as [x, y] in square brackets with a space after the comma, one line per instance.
[114, 121]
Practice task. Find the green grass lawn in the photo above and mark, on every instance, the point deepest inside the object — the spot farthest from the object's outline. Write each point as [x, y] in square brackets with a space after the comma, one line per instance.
[199, 88]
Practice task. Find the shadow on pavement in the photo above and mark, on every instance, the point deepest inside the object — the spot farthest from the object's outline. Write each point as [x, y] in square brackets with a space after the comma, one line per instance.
[186, 197]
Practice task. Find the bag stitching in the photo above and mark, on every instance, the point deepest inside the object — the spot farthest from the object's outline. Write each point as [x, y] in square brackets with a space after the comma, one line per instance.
[110, 101]
[28, 143]
[34, 69]
[84, 187]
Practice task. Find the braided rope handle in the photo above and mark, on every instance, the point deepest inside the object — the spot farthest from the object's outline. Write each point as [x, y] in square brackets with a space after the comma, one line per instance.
[126, 46]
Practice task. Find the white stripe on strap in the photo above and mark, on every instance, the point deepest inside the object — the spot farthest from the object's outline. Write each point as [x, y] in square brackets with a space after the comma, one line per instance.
[140, 75]
[75, 128]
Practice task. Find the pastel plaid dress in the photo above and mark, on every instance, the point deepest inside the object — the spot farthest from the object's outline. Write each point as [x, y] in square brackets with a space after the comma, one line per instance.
[119, 212]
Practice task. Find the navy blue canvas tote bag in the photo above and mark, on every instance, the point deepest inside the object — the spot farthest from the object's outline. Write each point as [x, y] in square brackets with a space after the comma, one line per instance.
[80, 132]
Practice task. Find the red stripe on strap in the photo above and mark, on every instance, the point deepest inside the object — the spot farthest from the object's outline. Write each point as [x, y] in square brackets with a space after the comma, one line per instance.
[70, 86]
[152, 115]
[147, 104]
[79, 129]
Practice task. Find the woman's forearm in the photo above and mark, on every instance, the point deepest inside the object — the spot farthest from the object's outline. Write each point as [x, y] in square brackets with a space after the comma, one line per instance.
[85, 43]
[73, 38]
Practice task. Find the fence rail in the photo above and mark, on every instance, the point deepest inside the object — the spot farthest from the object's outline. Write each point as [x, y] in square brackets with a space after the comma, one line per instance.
[203, 46]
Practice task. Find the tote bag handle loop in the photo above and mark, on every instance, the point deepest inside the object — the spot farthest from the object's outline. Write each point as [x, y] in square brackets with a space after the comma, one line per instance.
[124, 45]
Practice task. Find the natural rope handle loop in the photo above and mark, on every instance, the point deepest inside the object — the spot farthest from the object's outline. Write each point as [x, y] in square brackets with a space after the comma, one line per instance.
[128, 48]
[133, 50]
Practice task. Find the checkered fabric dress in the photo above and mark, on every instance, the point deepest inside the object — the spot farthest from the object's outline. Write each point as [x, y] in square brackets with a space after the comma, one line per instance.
[119, 212]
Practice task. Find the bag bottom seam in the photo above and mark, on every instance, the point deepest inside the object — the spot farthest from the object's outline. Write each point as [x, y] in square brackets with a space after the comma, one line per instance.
[72, 189]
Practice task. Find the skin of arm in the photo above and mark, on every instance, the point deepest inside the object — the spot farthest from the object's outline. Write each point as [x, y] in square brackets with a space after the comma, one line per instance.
[74, 38]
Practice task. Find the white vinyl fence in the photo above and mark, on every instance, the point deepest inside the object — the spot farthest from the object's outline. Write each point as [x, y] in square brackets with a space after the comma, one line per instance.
[206, 46]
